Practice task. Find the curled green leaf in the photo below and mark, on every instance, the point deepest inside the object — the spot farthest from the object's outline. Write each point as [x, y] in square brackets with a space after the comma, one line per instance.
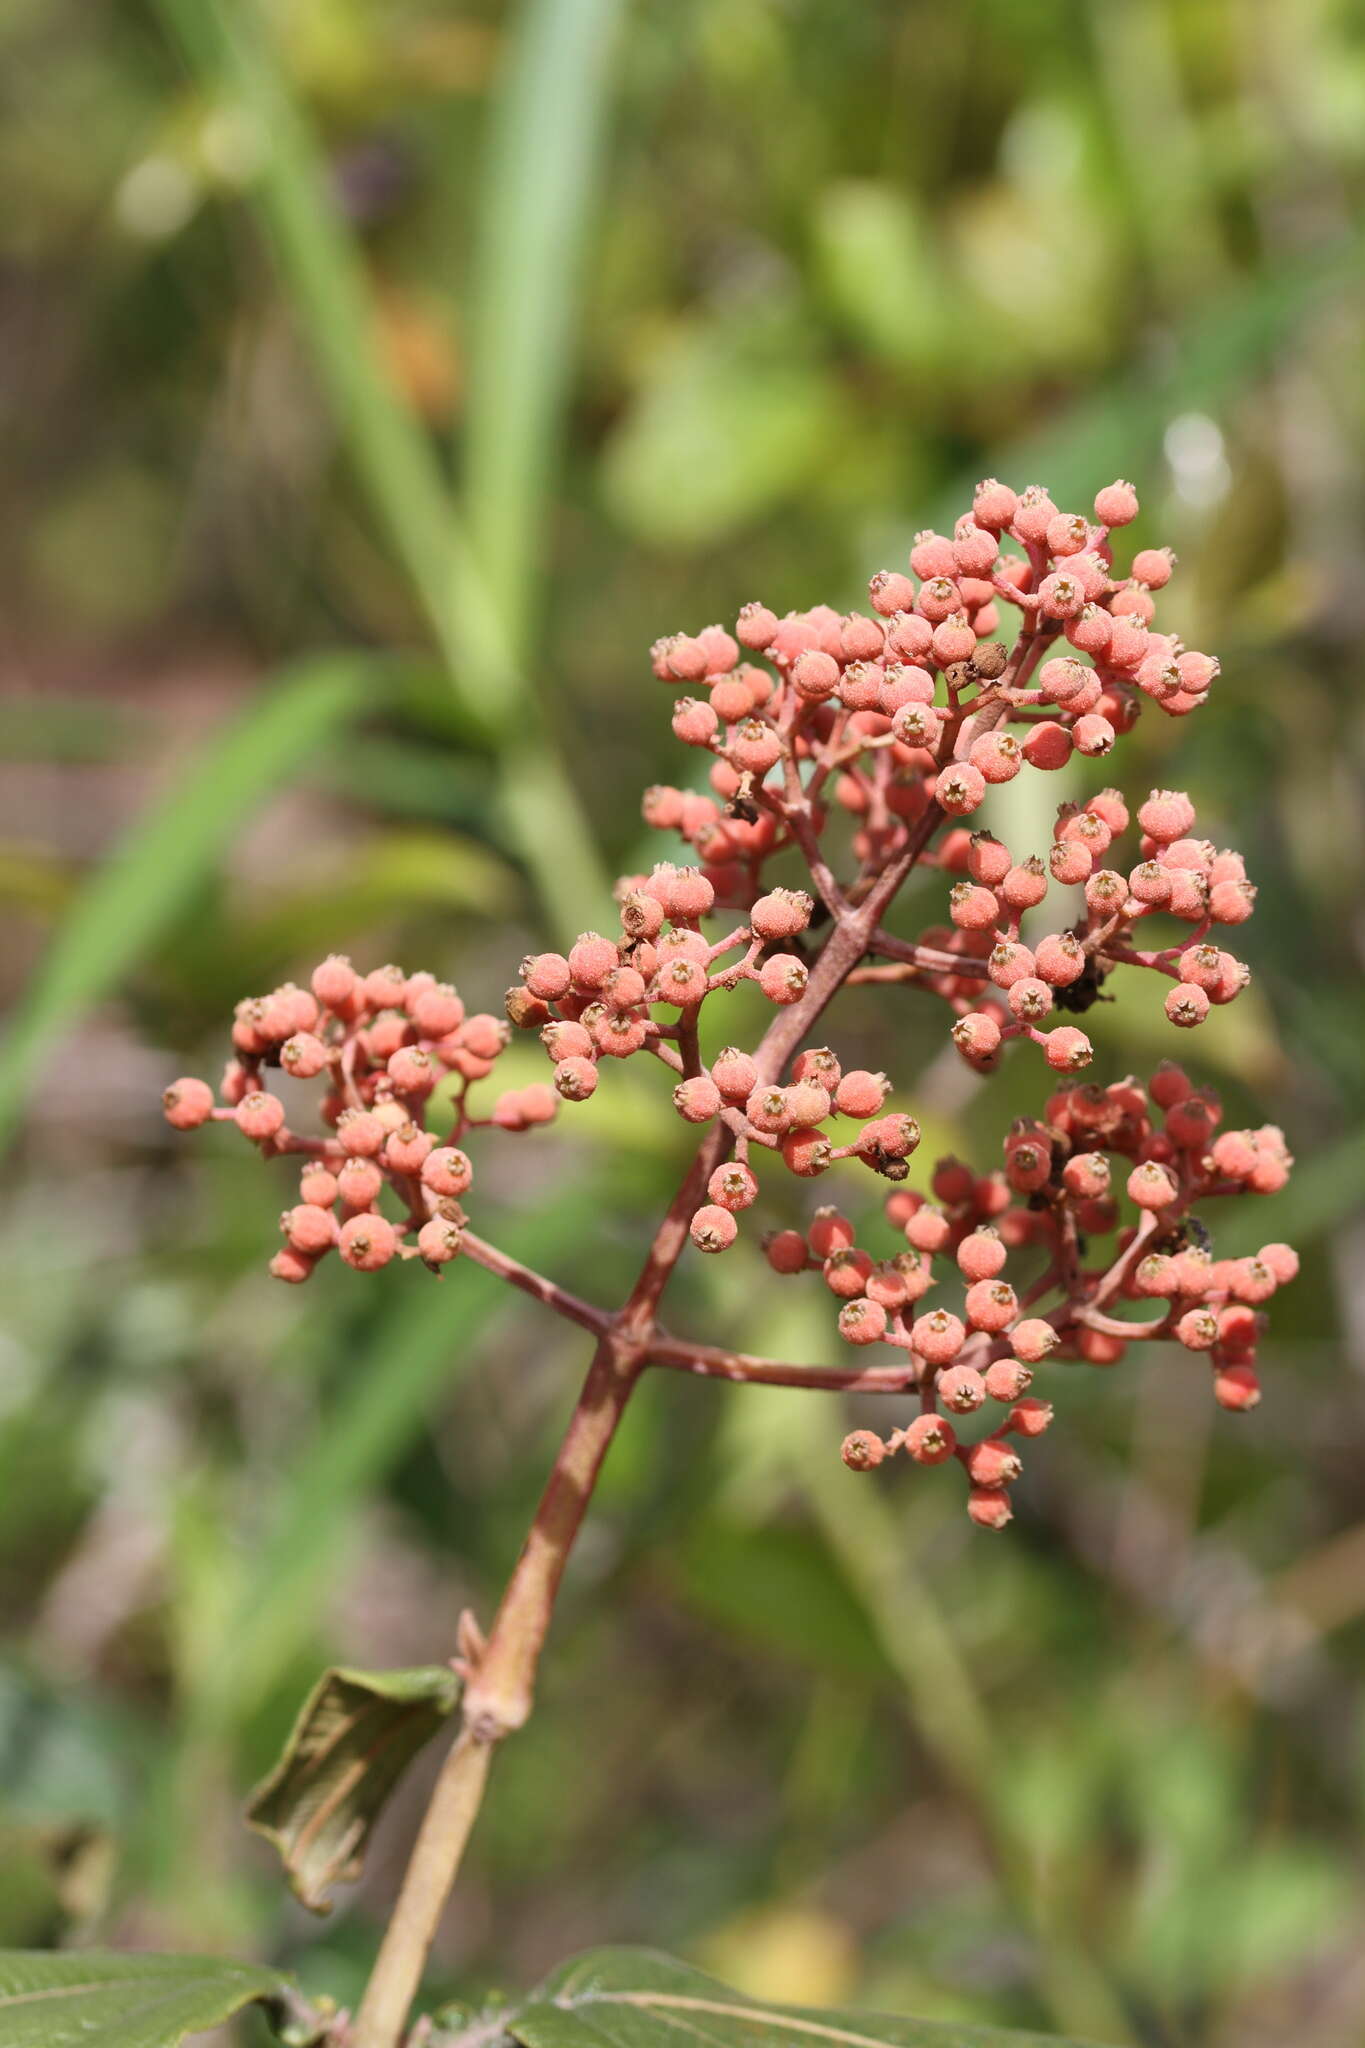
[355, 1736]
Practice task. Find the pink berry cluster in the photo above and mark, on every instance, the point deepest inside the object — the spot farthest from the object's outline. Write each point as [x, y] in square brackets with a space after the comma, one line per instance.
[1097, 1206]
[849, 748]
[885, 714]
[1177, 876]
[387, 1048]
[599, 1001]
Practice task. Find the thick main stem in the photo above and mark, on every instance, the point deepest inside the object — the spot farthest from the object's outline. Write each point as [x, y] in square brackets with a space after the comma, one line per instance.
[499, 1694]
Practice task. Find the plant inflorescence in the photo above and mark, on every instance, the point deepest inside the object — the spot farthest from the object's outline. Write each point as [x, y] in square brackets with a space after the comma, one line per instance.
[854, 748]
[897, 720]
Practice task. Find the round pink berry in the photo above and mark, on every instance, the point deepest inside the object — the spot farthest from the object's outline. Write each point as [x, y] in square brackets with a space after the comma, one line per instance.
[783, 978]
[989, 1507]
[735, 1074]
[756, 627]
[1187, 1006]
[991, 1305]
[781, 914]
[938, 1337]
[930, 1439]
[368, 1242]
[697, 1100]
[1166, 816]
[1116, 504]
[733, 1186]
[1066, 1049]
[961, 1388]
[259, 1116]
[359, 1182]
[187, 1103]
[438, 1241]
[977, 1035]
[1007, 1379]
[815, 675]
[862, 1322]
[591, 960]
[575, 1078]
[998, 756]
[1047, 745]
[309, 1229]
[447, 1171]
[992, 1464]
[862, 1450]
[1034, 1339]
[412, 1071]
[1030, 1417]
[1150, 1186]
[960, 789]
[547, 975]
[1152, 566]
[335, 982]
[981, 1255]
[713, 1229]
[994, 505]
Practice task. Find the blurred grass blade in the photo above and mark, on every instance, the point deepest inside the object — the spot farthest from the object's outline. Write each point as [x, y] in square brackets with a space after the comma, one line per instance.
[539, 183]
[134, 898]
[229, 50]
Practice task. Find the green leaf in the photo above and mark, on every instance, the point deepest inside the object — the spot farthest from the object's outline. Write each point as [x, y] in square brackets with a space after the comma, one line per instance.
[356, 1735]
[77, 1998]
[636, 1998]
[139, 891]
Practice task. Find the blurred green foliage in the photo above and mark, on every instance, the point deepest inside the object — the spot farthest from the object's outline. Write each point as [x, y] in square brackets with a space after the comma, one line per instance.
[379, 381]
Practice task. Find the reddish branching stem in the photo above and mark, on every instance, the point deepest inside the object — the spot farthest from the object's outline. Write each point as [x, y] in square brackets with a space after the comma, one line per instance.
[857, 746]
